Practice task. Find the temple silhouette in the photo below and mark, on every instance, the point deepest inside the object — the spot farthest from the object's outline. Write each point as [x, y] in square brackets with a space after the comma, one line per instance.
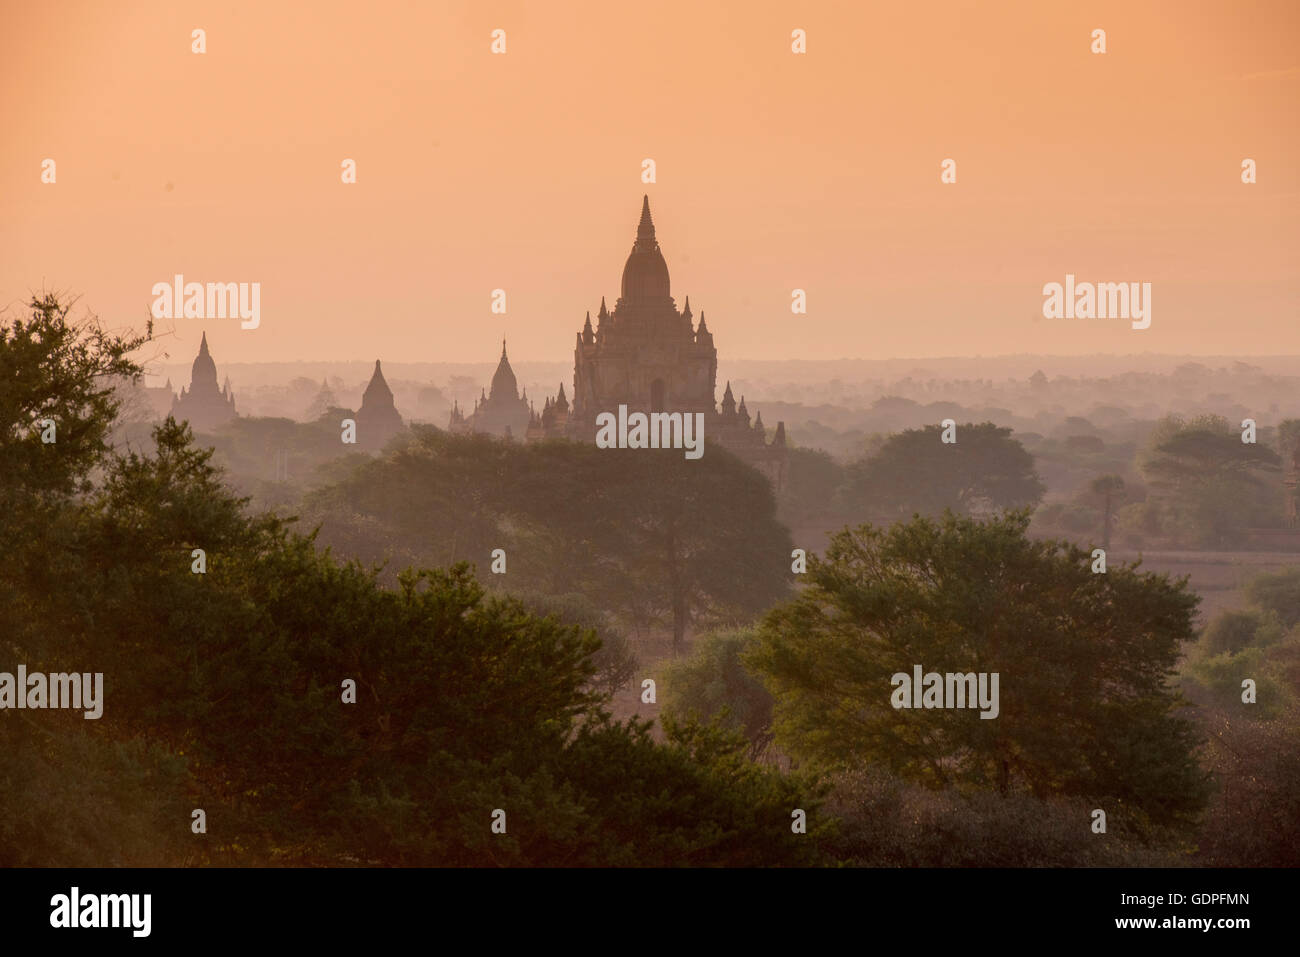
[644, 354]
[500, 411]
[203, 404]
[377, 419]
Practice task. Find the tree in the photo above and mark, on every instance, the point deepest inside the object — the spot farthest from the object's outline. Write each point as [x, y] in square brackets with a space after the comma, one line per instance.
[65, 372]
[614, 661]
[58, 376]
[915, 472]
[812, 491]
[714, 684]
[1084, 660]
[1110, 489]
[1255, 818]
[1234, 631]
[1206, 479]
[321, 717]
[702, 536]
[646, 532]
[1279, 593]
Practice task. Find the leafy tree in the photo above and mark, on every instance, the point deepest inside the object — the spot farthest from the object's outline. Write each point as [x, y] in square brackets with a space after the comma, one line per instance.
[812, 490]
[713, 684]
[647, 532]
[1084, 663]
[1204, 477]
[1279, 593]
[224, 690]
[64, 371]
[615, 662]
[1235, 630]
[1214, 681]
[704, 540]
[915, 472]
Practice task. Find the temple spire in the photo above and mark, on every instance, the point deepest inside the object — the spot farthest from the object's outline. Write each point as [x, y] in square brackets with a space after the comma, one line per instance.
[645, 230]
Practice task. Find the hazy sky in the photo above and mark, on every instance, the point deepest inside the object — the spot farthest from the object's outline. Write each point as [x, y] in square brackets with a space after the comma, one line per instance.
[775, 171]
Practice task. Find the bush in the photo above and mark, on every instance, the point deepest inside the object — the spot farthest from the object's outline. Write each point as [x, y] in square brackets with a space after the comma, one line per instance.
[1217, 681]
[886, 822]
[1254, 819]
[713, 683]
[615, 661]
[1278, 593]
[1235, 631]
[80, 799]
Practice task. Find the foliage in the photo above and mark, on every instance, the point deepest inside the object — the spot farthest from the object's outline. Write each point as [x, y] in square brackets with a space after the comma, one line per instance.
[614, 660]
[1233, 631]
[886, 821]
[915, 472]
[1206, 482]
[1254, 820]
[645, 532]
[1084, 662]
[713, 683]
[1278, 593]
[226, 690]
[813, 488]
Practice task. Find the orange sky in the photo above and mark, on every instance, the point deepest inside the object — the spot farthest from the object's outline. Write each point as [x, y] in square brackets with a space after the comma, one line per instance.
[775, 171]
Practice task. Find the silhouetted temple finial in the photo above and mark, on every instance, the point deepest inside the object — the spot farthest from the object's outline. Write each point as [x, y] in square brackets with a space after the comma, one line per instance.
[377, 392]
[645, 230]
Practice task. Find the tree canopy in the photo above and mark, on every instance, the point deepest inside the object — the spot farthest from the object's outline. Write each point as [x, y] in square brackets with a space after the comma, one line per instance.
[914, 471]
[1207, 483]
[1084, 659]
[226, 686]
[644, 532]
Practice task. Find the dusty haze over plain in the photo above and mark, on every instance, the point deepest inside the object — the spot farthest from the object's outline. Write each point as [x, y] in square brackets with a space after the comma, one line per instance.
[775, 171]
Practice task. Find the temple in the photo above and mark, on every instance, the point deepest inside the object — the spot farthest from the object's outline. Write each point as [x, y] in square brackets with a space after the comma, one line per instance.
[203, 404]
[501, 411]
[645, 354]
[321, 404]
[377, 419]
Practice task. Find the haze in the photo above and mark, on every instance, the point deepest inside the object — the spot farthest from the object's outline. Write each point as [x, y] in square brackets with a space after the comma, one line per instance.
[775, 171]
